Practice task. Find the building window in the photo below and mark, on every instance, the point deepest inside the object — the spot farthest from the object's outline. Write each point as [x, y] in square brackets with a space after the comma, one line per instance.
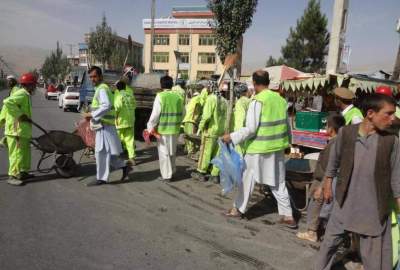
[206, 58]
[162, 71]
[184, 39]
[184, 58]
[183, 74]
[160, 57]
[207, 40]
[204, 74]
[161, 40]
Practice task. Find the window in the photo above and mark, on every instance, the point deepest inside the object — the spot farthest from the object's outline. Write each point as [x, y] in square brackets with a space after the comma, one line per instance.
[206, 58]
[204, 74]
[162, 71]
[207, 40]
[160, 57]
[161, 40]
[184, 57]
[184, 39]
[184, 74]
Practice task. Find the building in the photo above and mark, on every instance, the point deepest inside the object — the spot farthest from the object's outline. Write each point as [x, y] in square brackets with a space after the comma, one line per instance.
[73, 60]
[184, 45]
[122, 44]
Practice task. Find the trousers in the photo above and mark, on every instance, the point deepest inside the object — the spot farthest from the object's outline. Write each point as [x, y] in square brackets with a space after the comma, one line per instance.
[104, 160]
[208, 150]
[19, 155]
[127, 137]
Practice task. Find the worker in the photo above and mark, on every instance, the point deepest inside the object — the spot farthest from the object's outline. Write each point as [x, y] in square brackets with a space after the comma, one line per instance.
[125, 105]
[266, 136]
[180, 88]
[12, 84]
[191, 122]
[166, 119]
[108, 146]
[18, 130]
[239, 112]
[344, 101]
[212, 125]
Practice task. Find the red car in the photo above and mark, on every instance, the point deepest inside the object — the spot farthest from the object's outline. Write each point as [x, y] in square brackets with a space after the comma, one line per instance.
[51, 92]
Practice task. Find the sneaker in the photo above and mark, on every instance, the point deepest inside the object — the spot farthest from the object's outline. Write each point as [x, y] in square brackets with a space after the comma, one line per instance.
[96, 183]
[164, 180]
[198, 176]
[14, 181]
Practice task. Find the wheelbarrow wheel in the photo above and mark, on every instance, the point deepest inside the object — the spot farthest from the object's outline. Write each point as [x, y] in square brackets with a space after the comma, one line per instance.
[65, 166]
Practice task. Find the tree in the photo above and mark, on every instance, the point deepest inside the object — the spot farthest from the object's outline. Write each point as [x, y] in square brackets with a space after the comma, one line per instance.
[307, 44]
[232, 18]
[56, 65]
[101, 42]
[274, 62]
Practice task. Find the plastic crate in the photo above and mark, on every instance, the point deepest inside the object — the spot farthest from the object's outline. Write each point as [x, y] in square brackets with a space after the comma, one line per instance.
[311, 121]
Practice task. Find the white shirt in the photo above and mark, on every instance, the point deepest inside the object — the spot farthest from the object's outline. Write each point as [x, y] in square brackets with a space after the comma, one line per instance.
[356, 119]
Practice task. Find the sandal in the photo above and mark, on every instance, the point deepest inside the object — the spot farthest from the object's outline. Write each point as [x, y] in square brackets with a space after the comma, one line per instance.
[233, 213]
[308, 235]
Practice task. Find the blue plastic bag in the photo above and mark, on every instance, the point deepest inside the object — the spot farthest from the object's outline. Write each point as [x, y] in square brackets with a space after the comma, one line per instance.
[231, 164]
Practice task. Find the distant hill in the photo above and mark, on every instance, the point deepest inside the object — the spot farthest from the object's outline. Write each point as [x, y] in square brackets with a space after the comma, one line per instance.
[23, 58]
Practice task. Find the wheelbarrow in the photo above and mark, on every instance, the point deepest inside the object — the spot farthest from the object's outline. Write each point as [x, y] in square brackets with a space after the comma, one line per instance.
[59, 145]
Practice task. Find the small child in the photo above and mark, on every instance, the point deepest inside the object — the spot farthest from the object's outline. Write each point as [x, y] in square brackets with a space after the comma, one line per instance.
[334, 123]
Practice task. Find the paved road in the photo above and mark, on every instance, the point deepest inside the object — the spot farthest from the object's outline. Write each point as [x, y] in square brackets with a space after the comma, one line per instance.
[54, 223]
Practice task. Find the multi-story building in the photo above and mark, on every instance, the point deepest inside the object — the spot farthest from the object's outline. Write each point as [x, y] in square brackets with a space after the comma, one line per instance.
[122, 45]
[184, 45]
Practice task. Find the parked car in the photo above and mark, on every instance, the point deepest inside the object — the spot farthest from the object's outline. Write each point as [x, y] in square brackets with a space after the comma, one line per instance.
[51, 92]
[69, 99]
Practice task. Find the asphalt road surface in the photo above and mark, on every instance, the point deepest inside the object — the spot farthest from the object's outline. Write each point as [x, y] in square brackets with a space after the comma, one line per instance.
[55, 223]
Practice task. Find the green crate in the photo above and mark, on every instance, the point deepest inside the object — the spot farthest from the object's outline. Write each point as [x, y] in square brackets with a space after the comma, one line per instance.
[311, 121]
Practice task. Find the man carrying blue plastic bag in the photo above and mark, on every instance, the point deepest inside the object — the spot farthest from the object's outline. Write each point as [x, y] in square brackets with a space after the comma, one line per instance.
[266, 136]
[230, 163]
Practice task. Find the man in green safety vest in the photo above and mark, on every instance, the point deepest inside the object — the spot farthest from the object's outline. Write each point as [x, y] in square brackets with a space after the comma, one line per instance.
[211, 126]
[108, 146]
[166, 119]
[180, 88]
[125, 106]
[239, 112]
[191, 122]
[266, 136]
[17, 113]
[344, 101]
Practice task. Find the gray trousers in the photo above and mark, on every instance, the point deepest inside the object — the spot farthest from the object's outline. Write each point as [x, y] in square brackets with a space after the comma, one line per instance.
[376, 252]
[104, 160]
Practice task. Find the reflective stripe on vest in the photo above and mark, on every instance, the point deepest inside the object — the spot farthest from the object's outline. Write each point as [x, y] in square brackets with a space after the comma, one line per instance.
[109, 117]
[272, 132]
[171, 113]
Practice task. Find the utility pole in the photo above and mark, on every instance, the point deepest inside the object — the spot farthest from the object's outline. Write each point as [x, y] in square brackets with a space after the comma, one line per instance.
[396, 70]
[153, 11]
[336, 42]
[70, 45]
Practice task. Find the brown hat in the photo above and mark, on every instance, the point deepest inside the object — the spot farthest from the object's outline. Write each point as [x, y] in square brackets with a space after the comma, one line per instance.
[344, 93]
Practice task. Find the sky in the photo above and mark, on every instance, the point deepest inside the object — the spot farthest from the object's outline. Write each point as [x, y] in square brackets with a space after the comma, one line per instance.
[40, 23]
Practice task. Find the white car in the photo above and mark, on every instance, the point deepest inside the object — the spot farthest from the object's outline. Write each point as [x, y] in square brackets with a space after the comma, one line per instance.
[69, 99]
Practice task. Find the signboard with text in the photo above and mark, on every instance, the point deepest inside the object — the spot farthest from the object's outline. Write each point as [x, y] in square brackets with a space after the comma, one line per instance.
[179, 23]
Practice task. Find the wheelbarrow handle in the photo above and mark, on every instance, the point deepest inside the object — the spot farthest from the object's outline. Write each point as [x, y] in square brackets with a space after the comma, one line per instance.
[46, 133]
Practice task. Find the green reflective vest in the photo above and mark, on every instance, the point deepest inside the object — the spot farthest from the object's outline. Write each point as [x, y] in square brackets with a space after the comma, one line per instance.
[272, 133]
[239, 112]
[125, 105]
[213, 119]
[193, 110]
[179, 90]
[17, 104]
[109, 117]
[171, 113]
[353, 112]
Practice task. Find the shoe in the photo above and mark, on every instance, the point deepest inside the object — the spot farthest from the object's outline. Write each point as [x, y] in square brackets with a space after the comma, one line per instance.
[289, 223]
[24, 176]
[233, 213]
[214, 179]
[198, 176]
[308, 235]
[14, 181]
[164, 180]
[125, 172]
[96, 183]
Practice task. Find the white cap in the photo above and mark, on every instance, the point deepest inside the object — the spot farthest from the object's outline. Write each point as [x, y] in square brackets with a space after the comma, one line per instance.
[11, 77]
[273, 85]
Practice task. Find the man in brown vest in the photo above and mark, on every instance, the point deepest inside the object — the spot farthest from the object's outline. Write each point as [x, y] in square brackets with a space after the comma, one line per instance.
[366, 160]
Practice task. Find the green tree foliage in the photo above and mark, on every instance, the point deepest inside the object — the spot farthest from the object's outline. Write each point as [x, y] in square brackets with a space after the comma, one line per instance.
[101, 42]
[55, 66]
[274, 62]
[307, 44]
[232, 18]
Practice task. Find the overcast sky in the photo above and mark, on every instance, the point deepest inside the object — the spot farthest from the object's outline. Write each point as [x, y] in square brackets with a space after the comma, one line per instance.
[40, 23]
